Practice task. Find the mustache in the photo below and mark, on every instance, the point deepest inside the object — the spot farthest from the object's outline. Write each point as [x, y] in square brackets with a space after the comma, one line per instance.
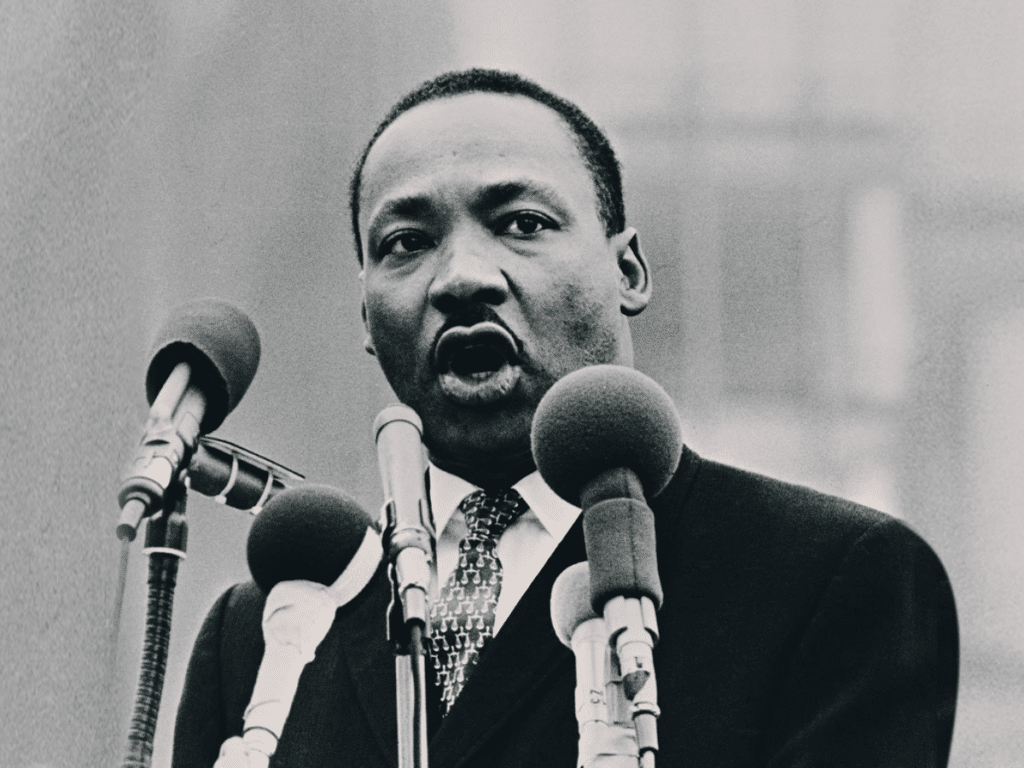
[473, 314]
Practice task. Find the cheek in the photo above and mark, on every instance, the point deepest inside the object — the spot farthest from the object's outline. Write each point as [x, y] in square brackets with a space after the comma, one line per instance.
[587, 324]
[376, 313]
[389, 308]
[391, 332]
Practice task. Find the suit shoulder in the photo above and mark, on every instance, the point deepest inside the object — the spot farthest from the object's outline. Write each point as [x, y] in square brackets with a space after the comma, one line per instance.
[724, 485]
[242, 621]
[245, 598]
[225, 657]
[713, 501]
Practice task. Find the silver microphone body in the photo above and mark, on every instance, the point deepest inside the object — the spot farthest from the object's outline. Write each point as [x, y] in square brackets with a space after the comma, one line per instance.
[399, 437]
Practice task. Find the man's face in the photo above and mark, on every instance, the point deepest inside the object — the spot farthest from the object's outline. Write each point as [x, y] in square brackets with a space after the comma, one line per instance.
[487, 274]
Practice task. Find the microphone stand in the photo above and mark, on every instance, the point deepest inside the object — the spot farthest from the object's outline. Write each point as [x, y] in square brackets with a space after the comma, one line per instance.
[407, 623]
[166, 537]
[410, 687]
[234, 476]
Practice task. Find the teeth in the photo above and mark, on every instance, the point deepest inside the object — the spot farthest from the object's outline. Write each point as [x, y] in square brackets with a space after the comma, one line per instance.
[480, 389]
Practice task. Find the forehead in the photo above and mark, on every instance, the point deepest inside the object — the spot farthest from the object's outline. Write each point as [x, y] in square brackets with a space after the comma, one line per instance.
[475, 138]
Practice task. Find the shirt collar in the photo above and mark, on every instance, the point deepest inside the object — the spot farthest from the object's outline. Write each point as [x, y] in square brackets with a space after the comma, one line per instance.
[447, 491]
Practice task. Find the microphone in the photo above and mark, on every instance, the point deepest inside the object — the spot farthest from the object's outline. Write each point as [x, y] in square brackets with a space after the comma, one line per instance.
[202, 362]
[601, 437]
[585, 633]
[600, 706]
[312, 549]
[236, 476]
[398, 432]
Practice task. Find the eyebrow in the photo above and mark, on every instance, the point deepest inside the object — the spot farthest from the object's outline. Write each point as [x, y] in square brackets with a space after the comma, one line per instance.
[502, 193]
[412, 206]
[491, 196]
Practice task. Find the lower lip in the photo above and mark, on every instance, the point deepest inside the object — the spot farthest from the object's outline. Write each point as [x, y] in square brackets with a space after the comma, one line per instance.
[481, 388]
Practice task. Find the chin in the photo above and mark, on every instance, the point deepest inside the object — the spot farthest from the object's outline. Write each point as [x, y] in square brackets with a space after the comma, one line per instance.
[479, 436]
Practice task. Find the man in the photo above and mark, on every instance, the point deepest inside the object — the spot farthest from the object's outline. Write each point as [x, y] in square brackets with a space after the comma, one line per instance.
[797, 629]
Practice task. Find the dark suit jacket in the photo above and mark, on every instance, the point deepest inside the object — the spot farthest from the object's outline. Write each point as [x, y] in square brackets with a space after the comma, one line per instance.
[797, 629]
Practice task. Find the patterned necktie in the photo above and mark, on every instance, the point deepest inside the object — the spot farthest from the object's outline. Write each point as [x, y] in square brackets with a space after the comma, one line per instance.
[463, 615]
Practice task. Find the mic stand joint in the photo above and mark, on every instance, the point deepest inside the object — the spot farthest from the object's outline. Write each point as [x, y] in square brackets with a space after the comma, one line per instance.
[633, 631]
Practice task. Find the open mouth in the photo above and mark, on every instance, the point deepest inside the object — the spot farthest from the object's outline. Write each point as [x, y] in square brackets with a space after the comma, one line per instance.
[476, 359]
[477, 364]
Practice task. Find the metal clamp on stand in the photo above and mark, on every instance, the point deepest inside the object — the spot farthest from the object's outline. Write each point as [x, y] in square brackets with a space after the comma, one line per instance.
[633, 631]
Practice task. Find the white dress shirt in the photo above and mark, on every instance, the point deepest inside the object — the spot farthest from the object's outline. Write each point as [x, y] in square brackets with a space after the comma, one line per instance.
[523, 548]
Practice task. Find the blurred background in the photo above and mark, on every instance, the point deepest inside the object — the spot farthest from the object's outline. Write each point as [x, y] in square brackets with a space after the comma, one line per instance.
[831, 194]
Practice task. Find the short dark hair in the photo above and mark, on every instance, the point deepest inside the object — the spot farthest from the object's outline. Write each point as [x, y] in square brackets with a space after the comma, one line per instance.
[594, 148]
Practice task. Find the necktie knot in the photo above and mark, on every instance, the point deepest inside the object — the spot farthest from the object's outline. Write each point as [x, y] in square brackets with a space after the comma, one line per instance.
[489, 513]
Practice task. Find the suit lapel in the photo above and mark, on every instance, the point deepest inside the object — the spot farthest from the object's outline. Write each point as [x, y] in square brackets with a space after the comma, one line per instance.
[523, 656]
[362, 639]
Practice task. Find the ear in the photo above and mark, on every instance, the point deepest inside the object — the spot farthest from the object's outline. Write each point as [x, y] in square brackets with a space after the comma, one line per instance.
[635, 283]
[367, 341]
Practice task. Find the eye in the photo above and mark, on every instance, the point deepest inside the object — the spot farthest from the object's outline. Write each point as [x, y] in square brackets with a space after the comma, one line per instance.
[403, 244]
[526, 223]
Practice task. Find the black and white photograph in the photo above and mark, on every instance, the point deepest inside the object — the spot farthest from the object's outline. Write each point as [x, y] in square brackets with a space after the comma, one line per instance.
[468, 384]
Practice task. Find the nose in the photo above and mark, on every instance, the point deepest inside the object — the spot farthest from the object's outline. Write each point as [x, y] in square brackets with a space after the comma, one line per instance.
[468, 274]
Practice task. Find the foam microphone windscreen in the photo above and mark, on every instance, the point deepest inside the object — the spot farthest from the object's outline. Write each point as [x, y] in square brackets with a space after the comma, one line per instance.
[620, 540]
[309, 532]
[605, 417]
[220, 344]
[570, 601]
